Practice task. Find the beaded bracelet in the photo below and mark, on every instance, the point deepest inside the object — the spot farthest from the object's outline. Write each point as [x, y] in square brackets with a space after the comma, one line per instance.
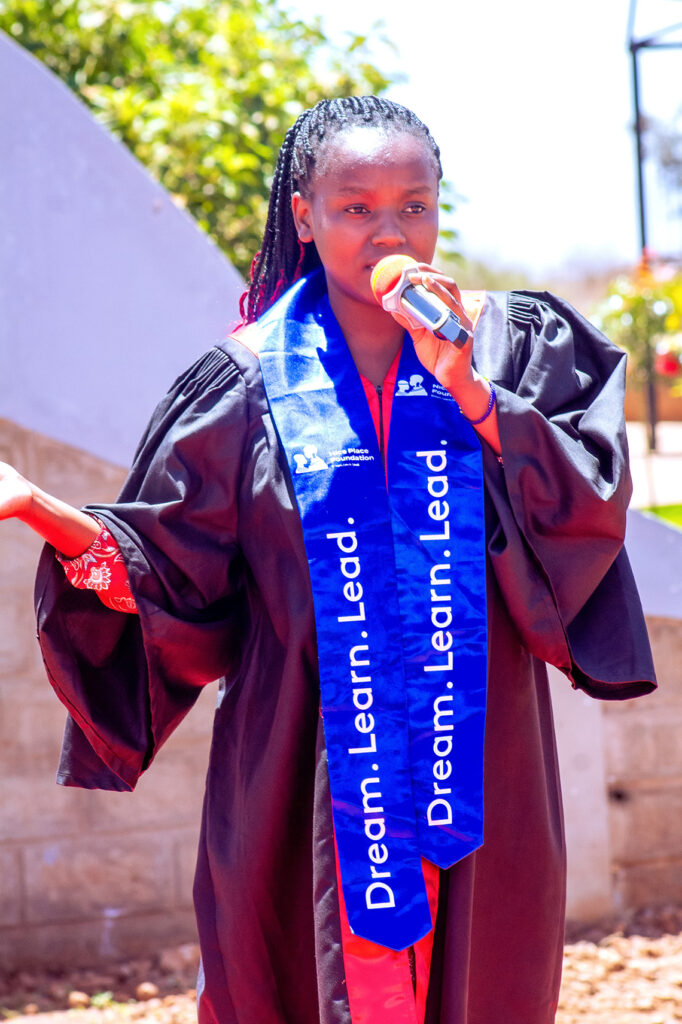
[491, 405]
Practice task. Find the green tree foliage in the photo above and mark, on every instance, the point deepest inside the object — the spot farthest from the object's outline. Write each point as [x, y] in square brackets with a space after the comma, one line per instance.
[201, 92]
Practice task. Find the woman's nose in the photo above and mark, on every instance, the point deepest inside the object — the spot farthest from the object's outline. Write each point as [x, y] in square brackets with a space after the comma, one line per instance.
[388, 231]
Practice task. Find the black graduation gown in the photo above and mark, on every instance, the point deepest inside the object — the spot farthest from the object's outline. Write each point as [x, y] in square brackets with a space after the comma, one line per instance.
[213, 545]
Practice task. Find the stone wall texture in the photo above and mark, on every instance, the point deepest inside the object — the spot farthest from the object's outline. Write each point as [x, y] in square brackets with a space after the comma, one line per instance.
[644, 781]
[86, 876]
[83, 875]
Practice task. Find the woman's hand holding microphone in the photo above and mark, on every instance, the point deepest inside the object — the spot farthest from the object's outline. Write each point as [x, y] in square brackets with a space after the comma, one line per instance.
[428, 304]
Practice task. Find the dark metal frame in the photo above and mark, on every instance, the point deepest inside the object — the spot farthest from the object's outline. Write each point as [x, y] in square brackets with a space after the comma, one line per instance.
[652, 42]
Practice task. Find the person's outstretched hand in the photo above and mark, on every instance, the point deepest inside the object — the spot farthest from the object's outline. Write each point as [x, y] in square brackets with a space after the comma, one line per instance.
[16, 493]
[68, 529]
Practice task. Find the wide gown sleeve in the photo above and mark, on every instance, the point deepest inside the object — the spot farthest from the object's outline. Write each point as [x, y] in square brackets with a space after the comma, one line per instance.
[557, 502]
[127, 680]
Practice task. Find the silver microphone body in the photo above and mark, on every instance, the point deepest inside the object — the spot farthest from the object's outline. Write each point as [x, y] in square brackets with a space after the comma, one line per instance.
[426, 308]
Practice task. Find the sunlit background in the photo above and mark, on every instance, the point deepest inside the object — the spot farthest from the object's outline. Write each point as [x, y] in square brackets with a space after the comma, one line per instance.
[531, 104]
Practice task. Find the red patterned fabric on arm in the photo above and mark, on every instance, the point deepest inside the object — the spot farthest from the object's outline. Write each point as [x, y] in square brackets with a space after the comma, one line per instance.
[101, 568]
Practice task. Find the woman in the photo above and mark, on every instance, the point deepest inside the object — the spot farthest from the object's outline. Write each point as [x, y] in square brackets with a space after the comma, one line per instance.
[291, 585]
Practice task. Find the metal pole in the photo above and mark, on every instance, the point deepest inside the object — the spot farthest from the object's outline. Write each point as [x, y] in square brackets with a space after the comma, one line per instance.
[650, 377]
[634, 51]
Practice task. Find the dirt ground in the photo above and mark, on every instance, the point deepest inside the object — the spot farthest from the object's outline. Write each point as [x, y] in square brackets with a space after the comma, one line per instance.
[622, 972]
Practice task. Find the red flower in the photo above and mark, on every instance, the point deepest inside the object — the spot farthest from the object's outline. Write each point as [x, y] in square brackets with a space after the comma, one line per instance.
[667, 364]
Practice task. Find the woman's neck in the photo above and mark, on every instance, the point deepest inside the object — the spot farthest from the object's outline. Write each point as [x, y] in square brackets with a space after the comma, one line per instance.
[373, 338]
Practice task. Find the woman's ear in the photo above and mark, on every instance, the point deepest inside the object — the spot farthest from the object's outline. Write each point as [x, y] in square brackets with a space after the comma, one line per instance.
[300, 208]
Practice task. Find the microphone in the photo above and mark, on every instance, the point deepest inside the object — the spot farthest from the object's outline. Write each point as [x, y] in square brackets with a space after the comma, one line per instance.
[393, 289]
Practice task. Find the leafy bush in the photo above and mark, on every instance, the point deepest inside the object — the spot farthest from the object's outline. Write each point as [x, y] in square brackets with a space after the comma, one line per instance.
[201, 92]
[643, 314]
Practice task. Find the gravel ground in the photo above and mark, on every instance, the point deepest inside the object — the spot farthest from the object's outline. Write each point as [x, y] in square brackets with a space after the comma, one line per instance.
[622, 980]
[145, 989]
[622, 972]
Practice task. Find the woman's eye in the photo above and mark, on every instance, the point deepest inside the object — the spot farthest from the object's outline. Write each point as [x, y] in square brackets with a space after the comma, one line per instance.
[356, 208]
[416, 208]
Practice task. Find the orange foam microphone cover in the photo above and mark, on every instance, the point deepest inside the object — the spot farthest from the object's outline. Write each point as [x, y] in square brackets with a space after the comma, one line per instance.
[386, 273]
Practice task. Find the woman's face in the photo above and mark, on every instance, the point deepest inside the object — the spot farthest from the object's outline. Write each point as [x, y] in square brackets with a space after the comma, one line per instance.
[372, 195]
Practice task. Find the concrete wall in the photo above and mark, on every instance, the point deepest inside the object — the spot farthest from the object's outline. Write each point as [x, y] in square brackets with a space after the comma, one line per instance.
[621, 769]
[107, 289]
[83, 875]
[107, 292]
[668, 405]
[643, 769]
[579, 726]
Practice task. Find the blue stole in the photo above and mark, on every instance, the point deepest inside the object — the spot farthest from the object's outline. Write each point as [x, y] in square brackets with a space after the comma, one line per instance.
[398, 581]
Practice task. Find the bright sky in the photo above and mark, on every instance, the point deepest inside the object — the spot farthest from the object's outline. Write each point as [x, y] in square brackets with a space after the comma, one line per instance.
[530, 102]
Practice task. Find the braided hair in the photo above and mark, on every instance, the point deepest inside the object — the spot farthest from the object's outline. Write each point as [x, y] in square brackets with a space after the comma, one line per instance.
[283, 258]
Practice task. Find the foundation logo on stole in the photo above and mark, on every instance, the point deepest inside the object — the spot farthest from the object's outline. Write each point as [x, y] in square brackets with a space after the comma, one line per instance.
[414, 387]
[308, 461]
